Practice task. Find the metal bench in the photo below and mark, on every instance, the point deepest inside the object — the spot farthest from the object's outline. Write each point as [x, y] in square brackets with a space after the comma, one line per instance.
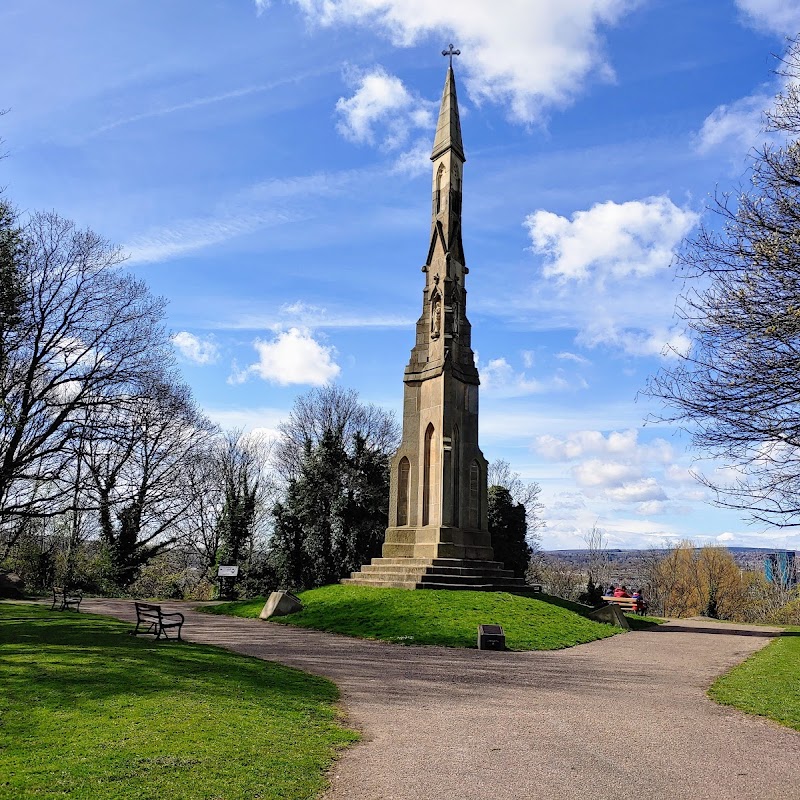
[65, 599]
[156, 621]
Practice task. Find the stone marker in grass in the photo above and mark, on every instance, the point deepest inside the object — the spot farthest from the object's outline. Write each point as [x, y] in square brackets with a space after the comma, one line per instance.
[280, 604]
[611, 614]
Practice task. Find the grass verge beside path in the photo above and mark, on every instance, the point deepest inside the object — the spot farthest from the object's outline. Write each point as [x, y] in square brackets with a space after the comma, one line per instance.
[768, 683]
[87, 711]
[433, 617]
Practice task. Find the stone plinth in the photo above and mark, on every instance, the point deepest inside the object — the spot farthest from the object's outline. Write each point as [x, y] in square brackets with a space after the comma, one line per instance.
[436, 573]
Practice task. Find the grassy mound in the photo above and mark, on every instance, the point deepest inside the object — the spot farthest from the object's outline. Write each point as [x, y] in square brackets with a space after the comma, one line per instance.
[90, 712]
[448, 618]
[767, 683]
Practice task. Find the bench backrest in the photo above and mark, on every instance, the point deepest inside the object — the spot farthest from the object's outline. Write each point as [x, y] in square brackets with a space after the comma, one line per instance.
[148, 611]
[622, 601]
[60, 591]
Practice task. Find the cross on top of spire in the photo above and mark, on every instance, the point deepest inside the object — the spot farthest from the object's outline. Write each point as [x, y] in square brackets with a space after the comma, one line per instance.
[451, 51]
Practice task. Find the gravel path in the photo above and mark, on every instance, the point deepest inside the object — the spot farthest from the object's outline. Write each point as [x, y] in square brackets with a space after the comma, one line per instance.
[442, 724]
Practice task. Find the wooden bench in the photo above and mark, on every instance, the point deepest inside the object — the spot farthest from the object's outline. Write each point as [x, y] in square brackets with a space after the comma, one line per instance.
[64, 599]
[633, 605]
[156, 621]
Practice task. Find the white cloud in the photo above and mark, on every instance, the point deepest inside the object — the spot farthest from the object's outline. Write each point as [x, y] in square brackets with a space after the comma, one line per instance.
[500, 379]
[199, 102]
[678, 475]
[565, 356]
[645, 489]
[662, 340]
[414, 161]
[260, 420]
[650, 508]
[531, 56]
[308, 315]
[261, 205]
[193, 348]
[503, 424]
[596, 474]
[738, 126]
[187, 236]
[382, 107]
[292, 357]
[777, 16]
[610, 240]
[617, 444]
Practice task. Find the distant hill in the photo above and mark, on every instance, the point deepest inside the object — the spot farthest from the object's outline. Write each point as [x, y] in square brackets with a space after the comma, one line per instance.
[628, 566]
[634, 552]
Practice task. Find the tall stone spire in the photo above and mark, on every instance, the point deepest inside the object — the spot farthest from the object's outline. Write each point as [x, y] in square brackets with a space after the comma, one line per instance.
[448, 130]
[438, 534]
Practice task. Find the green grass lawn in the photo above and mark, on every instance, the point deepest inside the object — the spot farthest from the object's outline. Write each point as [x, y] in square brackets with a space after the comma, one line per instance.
[449, 618]
[87, 711]
[768, 683]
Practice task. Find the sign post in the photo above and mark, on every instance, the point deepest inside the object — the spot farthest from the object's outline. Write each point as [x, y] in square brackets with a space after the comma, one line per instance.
[226, 576]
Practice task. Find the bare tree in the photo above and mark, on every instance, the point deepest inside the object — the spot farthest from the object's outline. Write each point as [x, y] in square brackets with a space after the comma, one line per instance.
[331, 410]
[737, 390]
[234, 492]
[86, 334]
[557, 578]
[598, 566]
[527, 494]
[200, 532]
[136, 456]
[248, 492]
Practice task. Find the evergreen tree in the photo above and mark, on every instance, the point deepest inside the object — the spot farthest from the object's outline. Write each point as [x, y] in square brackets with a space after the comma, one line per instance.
[287, 553]
[11, 292]
[333, 517]
[508, 528]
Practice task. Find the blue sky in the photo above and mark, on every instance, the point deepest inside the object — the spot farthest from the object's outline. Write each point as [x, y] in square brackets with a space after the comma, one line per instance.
[265, 165]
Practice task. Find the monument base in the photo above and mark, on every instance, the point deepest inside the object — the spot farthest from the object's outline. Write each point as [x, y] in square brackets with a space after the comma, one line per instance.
[435, 541]
[436, 573]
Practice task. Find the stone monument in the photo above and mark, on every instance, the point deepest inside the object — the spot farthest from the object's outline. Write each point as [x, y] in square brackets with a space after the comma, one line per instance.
[438, 533]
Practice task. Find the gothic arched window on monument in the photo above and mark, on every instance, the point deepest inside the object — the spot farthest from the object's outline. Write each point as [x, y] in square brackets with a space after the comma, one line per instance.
[439, 180]
[427, 475]
[403, 470]
[456, 478]
[474, 495]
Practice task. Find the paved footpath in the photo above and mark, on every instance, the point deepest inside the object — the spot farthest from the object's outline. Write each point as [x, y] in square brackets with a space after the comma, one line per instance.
[625, 718]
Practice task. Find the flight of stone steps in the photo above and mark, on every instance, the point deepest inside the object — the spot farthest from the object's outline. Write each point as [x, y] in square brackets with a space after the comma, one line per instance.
[436, 573]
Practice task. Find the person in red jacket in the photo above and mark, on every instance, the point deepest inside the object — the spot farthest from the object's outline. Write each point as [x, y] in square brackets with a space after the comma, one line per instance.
[621, 591]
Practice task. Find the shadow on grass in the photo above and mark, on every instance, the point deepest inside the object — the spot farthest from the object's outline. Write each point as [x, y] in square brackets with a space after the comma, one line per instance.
[729, 629]
[561, 602]
[85, 658]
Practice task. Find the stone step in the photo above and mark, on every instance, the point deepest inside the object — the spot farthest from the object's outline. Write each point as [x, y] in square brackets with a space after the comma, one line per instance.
[440, 562]
[469, 580]
[483, 587]
[422, 570]
[382, 584]
[421, 573]
[407, 573]
[437, 578]
[391, 584]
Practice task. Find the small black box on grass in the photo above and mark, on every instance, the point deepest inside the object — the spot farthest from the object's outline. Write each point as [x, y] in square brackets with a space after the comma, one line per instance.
[491, 637]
